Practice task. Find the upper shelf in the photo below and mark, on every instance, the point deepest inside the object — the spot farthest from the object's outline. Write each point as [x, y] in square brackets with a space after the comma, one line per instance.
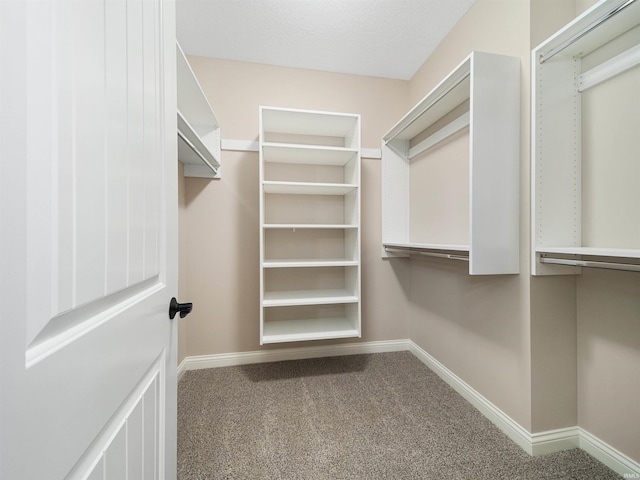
[299, 127]
[303, 122]
[198, 127]
[306, 188]
[451, 92]
[307, 154]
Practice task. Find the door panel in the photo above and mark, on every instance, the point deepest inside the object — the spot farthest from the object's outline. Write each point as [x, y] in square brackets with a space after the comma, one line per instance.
[88, 211]
[128, 448]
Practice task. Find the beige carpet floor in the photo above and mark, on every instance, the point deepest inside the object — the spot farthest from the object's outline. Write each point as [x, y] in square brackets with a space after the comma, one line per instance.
[370, 417]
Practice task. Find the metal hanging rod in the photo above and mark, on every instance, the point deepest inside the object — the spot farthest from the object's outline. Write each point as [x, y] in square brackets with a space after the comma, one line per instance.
[577, 36]
[444, 255]
[416, 251]
[630, 267]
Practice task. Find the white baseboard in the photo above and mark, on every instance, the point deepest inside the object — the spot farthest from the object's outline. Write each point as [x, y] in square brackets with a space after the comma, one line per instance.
[500, 419]
[533, 443]
[554, 440]
[182, 368]
[280, 354]
[537, 443]
[606, 454]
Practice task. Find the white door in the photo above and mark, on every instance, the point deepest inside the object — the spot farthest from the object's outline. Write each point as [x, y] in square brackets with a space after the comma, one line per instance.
[88, 253]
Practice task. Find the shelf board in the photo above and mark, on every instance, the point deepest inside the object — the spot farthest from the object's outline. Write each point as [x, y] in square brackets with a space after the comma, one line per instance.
[592, 251]
[307, 154]
[428, 246]
[191, 98]
[306, 122]
[306, 188]
[308, 297]
[191, 148]
[300, 263]
[451, 92]
[308, 329]
[320, 226]
[198, 127]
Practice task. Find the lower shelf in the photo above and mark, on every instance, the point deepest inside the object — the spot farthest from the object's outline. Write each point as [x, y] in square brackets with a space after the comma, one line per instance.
[308, 329]
[627, 259]
[592, 251]
[454, 252]
[426, 246]
[308, 297]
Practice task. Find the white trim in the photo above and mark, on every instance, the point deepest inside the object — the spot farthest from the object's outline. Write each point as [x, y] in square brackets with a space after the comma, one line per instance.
[534, 444]
[554, 440]
[609, 456]
[371, 153]
[239, 145]
[182, 368]
[281, 354]
[228, 144]
[500, 419]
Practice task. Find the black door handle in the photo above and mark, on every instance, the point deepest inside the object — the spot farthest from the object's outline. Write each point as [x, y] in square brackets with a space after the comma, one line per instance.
[183, 308]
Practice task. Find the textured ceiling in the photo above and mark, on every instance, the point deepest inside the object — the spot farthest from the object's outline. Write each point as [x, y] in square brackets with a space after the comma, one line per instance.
[382, 38]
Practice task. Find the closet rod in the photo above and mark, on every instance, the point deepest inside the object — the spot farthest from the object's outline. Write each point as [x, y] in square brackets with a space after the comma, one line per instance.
[630, 267]
[196, 151]
[414, 251]
[444, 255]
[577, 36]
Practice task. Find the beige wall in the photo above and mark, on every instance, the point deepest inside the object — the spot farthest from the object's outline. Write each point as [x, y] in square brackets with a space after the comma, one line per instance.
[608, 338]
[608, 304]
[223, 224]
[551, 352]
[479, 326]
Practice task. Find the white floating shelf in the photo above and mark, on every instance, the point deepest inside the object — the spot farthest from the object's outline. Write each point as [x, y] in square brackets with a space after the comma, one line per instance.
[307, 297]
[305, 188]
[592, 251]
[308, 329]
[193, 153]
[307, 154]
[198, 127]
[308, 122]
[303, 263]
[428, 246]
[310, 226]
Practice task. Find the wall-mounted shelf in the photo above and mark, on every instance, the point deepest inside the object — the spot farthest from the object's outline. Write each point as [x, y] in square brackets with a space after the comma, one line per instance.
[440, 199]
[198, 128]
[585, 144]
[310, 225]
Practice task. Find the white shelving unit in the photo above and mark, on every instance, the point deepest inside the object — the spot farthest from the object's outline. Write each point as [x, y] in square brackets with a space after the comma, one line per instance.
[309, 225]
[585, 143]
[450, 169]
[198, 128]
